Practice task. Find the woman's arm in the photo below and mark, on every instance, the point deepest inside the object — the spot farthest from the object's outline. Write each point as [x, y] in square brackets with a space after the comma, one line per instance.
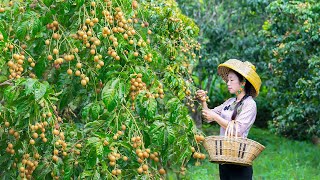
[212, 116]
[204, 105]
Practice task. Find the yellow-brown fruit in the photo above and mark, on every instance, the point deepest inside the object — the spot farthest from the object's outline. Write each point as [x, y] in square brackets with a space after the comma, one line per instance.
[152, 156]
[49, 57]
[79, 65]
[55, 152]
[203, 156]
[10, 64]
[115, 137]
[78, 73]
[55, 51]
[162, 171]
[145, 167]
[55, 23]
[32, 142]
[83, 82]
[112, 158]
[125, 158]
[69, 71]
[37, 156]
[145, 154]
[193, 149]
[55, 132]
[114, 172]
[11, 131]
[64, 153]
[35, 135]
[118, 171]
[78, 145]
[140, 170]
[55, 36]
[55, 158]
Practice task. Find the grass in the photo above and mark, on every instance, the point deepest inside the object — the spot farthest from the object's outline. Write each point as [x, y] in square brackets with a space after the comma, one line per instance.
[282, 159]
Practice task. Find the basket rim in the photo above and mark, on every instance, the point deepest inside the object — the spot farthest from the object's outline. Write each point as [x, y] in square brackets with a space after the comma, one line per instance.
[208, 138]
[231, 162]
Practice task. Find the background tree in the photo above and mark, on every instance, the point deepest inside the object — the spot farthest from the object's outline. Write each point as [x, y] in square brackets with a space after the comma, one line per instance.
[229, 29]
[291, 47]
[281, 38]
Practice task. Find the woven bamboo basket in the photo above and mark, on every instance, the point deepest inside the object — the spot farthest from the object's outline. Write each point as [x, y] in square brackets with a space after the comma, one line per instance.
[230, 149]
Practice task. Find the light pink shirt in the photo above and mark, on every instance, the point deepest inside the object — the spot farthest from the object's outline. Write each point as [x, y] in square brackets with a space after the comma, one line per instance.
[246, 114]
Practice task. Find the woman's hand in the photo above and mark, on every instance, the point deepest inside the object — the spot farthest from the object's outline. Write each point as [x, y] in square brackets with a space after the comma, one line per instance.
[209, 115]
[201, 95]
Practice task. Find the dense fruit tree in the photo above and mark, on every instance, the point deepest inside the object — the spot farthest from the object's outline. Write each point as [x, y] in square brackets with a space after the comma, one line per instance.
[96, 89]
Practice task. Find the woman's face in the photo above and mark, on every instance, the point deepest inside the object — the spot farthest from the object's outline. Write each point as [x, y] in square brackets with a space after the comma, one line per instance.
[233, 83]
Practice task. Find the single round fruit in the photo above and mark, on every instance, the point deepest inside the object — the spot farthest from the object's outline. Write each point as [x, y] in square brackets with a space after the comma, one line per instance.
[83, 82]
[162, 171]
[69, 71]
[55, 158]
[125, 158]
[140, 170]
[55, 132]
[78, 145]
[32, 142]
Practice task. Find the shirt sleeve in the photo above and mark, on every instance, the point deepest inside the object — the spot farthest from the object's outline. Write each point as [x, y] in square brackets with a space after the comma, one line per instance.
[246, 117]
[219, 108]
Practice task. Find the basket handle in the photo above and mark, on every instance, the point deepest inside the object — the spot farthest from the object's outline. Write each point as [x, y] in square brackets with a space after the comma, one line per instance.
[230, 129]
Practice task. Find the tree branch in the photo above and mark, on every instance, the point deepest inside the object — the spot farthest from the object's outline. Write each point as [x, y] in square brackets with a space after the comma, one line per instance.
[8, 82]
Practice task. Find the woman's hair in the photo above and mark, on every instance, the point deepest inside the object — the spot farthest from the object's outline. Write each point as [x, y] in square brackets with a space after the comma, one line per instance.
[247, 89]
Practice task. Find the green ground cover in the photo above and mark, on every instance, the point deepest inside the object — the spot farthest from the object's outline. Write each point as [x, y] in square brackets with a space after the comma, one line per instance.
[282, 159]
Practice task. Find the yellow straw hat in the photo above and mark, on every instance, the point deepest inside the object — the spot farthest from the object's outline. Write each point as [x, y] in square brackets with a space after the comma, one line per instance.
[246, 69]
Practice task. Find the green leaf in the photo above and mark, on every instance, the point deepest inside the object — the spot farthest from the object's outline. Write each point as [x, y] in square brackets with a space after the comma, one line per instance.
[99, 148]
[22, 30]
[96, 175]
[95, 110]
[151, 108]
[85, 111]
[39, 91]
[80, 2]
[3, 78]
[42, 170]
[68, 171]
[86, 173]
[10, 94]
[110, 95]
[36, 26]
[29, 85]
[93, 140]
[48, 2]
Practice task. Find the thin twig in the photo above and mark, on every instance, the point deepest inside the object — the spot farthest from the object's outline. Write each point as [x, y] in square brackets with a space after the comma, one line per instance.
[8, 82]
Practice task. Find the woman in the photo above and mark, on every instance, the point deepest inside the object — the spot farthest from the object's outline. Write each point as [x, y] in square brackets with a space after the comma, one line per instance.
[243, 81]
